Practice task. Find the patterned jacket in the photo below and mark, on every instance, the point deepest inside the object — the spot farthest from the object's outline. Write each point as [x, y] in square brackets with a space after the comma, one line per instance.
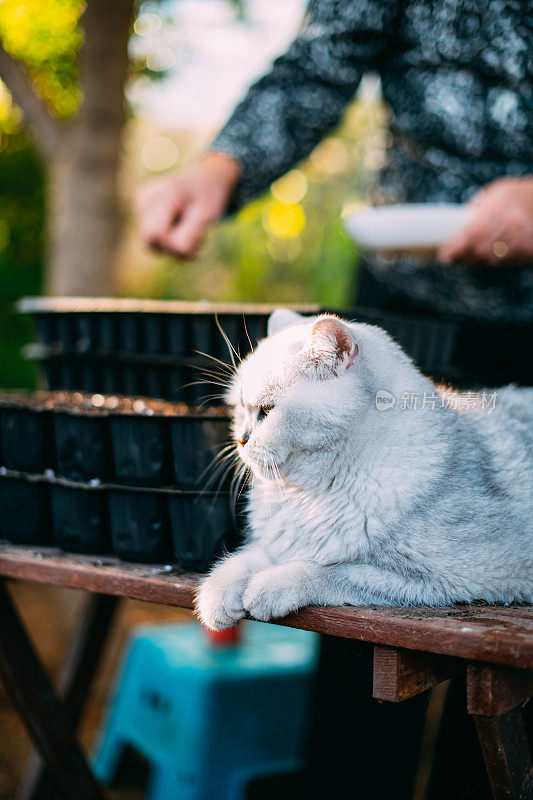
[458, 77]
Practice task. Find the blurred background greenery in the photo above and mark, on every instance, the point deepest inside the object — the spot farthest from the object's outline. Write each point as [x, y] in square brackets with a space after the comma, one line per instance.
[287, 246]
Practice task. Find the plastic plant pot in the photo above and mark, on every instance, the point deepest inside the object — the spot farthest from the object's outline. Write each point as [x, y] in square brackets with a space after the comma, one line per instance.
[153, 333]
[196, 446]
[178, 380]
[177, 334]
[46, 325]
[141, 449]
[129, 333]
[153, 383]
[80, 518]
[139, 525]
[27, 438]
[25, 516]
[204, 526]
[67, 331]
[82, 446]
[201, 337]
[84, 339]
[105, 331]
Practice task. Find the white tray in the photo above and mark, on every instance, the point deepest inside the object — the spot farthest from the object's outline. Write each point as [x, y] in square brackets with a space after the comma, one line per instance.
[415, 226]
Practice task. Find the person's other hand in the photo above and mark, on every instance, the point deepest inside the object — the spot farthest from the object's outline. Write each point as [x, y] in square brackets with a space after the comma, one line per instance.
[501, 227]
[175, 212]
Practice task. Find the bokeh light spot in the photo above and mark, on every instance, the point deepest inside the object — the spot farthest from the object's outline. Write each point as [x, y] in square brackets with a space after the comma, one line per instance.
[291, 188]
[284, 220]
[330, 157]
[159, 153]
[147, 24]
[161, 59]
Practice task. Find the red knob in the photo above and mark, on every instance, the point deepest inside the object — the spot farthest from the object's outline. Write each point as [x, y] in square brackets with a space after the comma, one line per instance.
[227, 636]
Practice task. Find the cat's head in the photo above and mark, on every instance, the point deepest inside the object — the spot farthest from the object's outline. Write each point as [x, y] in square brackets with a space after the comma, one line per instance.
[307, 387]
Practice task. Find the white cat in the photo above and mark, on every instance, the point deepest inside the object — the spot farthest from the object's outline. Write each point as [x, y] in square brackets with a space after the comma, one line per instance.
[367, 487]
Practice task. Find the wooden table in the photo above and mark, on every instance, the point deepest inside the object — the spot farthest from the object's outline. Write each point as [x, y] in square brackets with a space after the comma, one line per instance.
[414, 649]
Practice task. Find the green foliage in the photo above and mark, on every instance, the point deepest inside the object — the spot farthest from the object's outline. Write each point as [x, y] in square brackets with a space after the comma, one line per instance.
[21, 248]
[45, 37]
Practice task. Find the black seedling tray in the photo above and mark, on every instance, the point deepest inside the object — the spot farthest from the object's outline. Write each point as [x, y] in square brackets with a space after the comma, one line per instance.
[80, 518]
[82, 445]
[140, 526]
[149, 348]
[197, 444]
[27, 437]
[132, 441]
[164, 377]
[204, 526]
[25, 516]
[163, 525]
[150, 327]
[141, 449]
[135, 523]
[447, 348]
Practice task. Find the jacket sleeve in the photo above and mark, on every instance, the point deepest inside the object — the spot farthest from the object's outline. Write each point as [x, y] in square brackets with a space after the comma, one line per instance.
[288, 111]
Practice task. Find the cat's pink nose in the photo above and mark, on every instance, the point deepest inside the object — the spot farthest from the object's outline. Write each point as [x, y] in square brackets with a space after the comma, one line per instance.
[244, 439]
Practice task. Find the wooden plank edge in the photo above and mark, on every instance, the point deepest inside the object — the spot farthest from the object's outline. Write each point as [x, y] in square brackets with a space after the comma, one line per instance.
[364, 624]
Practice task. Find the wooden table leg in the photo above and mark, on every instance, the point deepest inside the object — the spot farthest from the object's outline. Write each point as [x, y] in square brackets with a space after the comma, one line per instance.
[44, 714]
[88, 642]
[495, 696]
[401, 674]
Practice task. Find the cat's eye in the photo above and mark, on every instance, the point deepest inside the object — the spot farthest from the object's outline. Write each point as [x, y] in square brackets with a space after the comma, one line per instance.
[263, 411]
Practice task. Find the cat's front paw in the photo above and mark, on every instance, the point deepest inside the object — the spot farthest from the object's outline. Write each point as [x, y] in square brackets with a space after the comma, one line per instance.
[219, 601]
[270, 594]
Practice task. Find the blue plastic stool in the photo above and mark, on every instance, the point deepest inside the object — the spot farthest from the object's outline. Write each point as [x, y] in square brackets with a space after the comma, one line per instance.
[209, 718]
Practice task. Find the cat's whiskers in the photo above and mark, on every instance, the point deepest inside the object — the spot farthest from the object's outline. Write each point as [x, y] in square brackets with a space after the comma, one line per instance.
[227, 367]
[231, 350]
[247, 334]
[217, 461]
[226, 462]
[238, 483]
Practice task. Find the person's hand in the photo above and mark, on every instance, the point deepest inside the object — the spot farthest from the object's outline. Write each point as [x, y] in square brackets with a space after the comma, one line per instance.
[501, 226]
[174, 212]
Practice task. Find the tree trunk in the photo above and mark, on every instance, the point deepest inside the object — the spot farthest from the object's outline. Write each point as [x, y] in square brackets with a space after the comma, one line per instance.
[83, 210]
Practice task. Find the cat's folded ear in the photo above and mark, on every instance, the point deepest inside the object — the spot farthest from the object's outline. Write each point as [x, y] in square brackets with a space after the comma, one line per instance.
[282, 318]
[331, 344]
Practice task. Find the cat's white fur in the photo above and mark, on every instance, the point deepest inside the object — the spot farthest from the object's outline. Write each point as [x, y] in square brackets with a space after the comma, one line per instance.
[353, 505]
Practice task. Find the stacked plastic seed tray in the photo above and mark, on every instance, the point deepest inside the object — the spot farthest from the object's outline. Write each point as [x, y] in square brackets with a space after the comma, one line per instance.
[102, 474]
[133, 347]
[166, 349]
